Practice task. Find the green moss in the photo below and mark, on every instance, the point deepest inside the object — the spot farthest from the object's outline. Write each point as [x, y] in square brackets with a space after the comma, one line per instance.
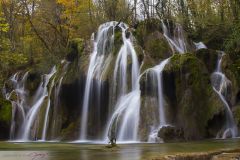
[208, 57]
[236, 113]
[193, 94]
[118, 41]
[5, 111]
[146, 27]
[155, 47]
[76, 46]
[70, 131]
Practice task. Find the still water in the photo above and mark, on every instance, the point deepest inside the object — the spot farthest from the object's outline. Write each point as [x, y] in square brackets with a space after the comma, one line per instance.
[80, 151]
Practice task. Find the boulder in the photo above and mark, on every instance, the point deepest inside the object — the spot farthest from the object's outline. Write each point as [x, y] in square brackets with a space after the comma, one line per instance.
[192, 103]
[171, 134]
[209, 58]
[5, 118]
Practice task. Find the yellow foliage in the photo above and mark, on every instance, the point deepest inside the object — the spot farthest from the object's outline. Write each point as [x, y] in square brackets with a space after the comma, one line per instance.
[76, 12]
[4, 26]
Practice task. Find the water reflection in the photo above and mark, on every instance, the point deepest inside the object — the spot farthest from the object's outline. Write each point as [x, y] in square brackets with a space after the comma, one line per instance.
[73, 151]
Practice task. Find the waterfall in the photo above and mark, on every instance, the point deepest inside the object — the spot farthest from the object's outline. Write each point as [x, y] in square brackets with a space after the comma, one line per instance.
[157, 80]
[123, 123]
[17, 104]
[99, 62]
[199, 45]
[44, 132]
[56, 94]
[39, 98]
[123, 93]
[177, 41]
[56, 100]
[220, 83]
[27, 107]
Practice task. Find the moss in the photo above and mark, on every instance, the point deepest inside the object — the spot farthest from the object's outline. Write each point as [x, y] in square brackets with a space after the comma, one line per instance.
[75, 49]
[157, 47]
[139, 52]
[208, 57]
[118, 41]
[144, 28]
[193, 91]
[148, 62]
[213, 36]
[236, 113]
[148, 115]
[231, 73]
[5, 111]
[70, 132]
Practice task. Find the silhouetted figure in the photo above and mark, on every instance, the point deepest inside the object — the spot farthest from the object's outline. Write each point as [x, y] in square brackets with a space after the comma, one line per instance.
[112, 135]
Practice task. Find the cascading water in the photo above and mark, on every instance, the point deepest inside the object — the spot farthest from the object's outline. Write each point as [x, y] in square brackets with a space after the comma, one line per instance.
[120, 115]
[177, 41]
[41, 94]
[56, 118]
[20, 100]
[27, 107]
[123, 123]
[156, 76]
[178, 44]
[57, 91]
[199, 45]
[99, 62]
[220, 83]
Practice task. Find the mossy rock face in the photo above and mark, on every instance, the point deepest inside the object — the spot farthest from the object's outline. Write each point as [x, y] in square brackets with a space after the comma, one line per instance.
[118, 41]
[144, 28]
[5, 117]
[209, 58]
[213, 35]
[231, 73]
[192, 101]
[148, 116]
[75, 49]
[171, 134]
[157, 47]
[33, 80]
[236, 113]
[71, 132]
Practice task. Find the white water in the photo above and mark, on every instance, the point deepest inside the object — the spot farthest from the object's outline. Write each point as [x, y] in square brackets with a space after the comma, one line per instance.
[156, 75]
[56, 101]
[123, 123]
[177, 41]
[20, 101]
[45, 126]
[220, 84]
[56, 94]
[41, 94]
[99, 61]
[199, 45]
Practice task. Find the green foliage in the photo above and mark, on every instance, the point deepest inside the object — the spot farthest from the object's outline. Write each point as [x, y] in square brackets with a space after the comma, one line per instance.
[4, 26]
[232, 44]
[13, 59]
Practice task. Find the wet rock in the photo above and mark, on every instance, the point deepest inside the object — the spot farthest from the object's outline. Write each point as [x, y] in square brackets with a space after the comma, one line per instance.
[75, 48]
[157, 47]
[171, 134]
[209, 58]
[5, 118]
[192, 103]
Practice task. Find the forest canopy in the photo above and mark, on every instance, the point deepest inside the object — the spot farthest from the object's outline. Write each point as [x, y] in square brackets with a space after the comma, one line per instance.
[36, 29]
